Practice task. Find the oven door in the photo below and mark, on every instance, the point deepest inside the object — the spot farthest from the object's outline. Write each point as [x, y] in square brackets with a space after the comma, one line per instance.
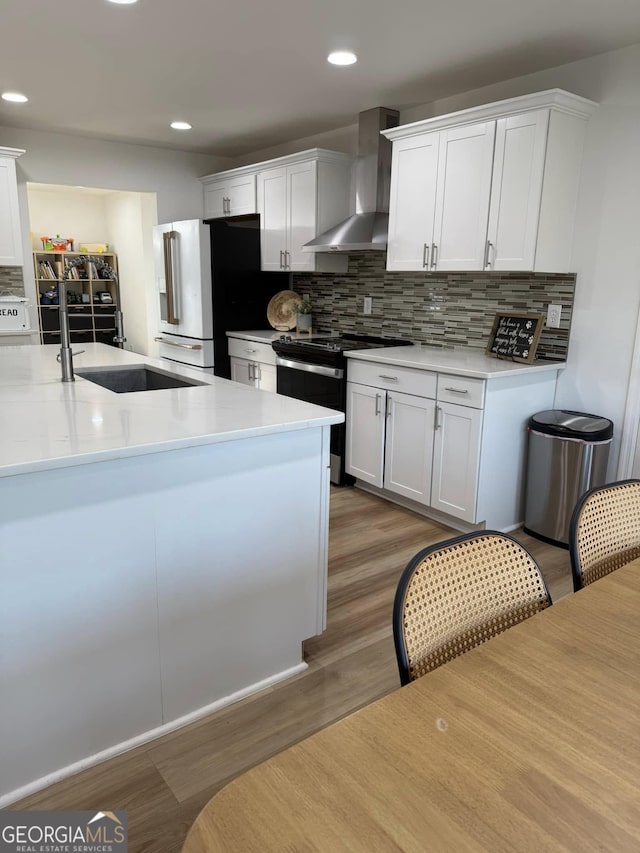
[324, 386]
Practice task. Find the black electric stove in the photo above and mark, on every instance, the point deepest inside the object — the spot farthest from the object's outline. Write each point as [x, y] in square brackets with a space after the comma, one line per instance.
[314, 370]
[329, 350]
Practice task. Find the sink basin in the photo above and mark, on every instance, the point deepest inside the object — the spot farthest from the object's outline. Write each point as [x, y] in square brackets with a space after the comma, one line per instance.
[124, 380]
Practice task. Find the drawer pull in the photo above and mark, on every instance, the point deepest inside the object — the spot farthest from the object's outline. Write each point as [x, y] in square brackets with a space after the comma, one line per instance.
[388, 378]
[378, 399]
[458, 390]
[251, 350]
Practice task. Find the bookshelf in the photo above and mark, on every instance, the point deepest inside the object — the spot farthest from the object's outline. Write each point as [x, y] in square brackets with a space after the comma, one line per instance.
[91, 313]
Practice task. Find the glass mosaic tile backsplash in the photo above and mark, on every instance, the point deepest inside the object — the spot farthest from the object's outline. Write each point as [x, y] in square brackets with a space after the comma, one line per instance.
[11, 281]
[438, 309]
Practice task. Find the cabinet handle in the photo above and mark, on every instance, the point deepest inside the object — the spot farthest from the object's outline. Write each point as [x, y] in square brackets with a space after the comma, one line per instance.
[257, 372]
[389, 405]
[227, 202]
[425, 256]
[174, 344]
[487, 262]
[281, 262]
[388, 378]
[286, 259]
[457, 390]
[434, 256]
[378, 398]
[251, 350]
[249, 376]
[436, 420]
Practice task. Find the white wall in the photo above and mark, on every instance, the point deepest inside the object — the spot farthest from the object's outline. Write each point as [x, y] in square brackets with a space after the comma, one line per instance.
[130, 217]
[56, 158]
[606, 248]
[69, 213]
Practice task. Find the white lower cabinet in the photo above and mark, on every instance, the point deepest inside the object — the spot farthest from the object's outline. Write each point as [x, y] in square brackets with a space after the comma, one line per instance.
[390, 428]
[414, 447]
[253, 363]
[453, 444]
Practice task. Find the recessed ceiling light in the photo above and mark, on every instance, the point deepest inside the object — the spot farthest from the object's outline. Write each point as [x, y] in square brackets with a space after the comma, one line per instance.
[342, 57]
[15, 97]
[180, 125]
[123, 2]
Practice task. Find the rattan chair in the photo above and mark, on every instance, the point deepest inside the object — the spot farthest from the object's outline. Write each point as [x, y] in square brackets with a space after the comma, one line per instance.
[604, 532]
[457, 594]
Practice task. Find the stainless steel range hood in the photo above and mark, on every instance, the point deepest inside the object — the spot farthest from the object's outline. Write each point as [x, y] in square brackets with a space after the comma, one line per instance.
[367, 228]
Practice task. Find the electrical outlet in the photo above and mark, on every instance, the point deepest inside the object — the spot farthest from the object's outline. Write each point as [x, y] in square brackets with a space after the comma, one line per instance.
[554, 314]
[368, 305]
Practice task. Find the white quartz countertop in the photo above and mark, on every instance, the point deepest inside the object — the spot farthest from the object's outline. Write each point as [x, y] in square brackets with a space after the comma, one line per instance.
[456, 362]
[46, 423]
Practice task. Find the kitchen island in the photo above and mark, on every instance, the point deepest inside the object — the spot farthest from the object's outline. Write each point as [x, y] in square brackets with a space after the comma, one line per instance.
[163, 553]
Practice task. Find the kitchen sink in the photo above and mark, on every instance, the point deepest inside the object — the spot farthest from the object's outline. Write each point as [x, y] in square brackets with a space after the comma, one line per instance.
[124, 380]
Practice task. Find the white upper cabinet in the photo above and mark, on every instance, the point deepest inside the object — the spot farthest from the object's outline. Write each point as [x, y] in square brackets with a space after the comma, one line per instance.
[10, 231]
[229, 194]
[505, 186]
[299, 197]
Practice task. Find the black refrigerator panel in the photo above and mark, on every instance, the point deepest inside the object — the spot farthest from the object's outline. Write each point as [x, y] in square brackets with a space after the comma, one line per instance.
[241, 290]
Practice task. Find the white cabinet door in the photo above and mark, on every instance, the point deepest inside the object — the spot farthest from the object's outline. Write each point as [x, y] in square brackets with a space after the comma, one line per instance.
[516, 191]
[462, 197]
[409, 446]
[243, 371]
[10, 236]
[412, 205]
[301, 215]
[242, 195]
[364, 455]
[215, 196]
[456, 455]
[267, 377]
[272, 206]
[230, 197]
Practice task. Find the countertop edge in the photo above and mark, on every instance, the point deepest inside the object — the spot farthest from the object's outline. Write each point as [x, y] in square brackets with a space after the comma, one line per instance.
[431, 362]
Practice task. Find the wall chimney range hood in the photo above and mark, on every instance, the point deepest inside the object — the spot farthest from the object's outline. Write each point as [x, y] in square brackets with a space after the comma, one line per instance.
[367, 229]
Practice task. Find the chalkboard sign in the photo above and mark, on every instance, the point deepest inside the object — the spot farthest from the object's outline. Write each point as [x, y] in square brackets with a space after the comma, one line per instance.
[515, 336]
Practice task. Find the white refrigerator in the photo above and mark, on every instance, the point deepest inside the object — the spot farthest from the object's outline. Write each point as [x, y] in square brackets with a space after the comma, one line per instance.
[182, 257]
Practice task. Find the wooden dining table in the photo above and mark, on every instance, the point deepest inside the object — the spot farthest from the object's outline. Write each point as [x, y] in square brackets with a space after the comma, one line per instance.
[530, 742]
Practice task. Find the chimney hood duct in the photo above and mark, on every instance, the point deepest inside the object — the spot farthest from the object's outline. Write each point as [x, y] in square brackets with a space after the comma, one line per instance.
[367, 229]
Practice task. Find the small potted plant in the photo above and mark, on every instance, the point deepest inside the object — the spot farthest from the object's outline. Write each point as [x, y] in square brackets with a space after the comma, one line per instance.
[303, 315]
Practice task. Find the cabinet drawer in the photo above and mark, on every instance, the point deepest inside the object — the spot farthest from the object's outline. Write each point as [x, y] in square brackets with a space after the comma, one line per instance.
[422, 383]
[254, 351]
[461, 389]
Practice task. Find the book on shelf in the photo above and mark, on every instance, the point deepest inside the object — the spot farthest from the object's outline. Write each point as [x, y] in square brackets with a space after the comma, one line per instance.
[47, 271]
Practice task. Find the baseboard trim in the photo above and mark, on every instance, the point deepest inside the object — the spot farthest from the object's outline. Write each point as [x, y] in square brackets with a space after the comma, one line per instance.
[146, 737]
[427, 512]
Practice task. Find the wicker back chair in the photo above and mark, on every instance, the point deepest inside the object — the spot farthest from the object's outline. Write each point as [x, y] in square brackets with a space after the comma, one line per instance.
[457, 594]
[604, 533]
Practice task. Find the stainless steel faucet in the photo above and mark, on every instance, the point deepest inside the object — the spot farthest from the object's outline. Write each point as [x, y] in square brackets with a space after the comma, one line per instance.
[66, 356]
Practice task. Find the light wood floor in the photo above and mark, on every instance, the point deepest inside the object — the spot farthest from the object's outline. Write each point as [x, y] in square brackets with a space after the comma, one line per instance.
[164, 784]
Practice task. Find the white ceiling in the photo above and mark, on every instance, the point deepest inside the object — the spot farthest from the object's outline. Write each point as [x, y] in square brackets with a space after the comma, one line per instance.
[249, 75]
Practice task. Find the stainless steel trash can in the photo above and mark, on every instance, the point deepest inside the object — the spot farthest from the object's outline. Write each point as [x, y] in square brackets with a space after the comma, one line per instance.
[568, 455]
